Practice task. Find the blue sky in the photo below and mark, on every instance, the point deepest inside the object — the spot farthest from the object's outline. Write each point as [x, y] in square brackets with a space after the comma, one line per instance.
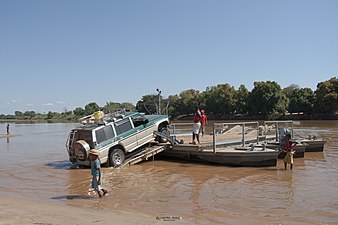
[65, 54]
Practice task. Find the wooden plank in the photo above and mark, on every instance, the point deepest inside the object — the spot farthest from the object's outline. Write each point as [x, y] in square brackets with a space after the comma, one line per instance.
[144, 155]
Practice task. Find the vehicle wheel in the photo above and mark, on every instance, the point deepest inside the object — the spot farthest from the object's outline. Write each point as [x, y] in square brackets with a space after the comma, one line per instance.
[116, 158]
[163, 130]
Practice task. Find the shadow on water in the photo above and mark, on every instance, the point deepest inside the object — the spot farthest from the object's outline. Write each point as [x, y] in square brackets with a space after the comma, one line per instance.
[71, 197]
[61, 165]
[271, 168]
[188, 163]
[184, 162]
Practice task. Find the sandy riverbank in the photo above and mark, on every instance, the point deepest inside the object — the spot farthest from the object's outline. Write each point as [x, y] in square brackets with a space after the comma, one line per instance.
[16, 211]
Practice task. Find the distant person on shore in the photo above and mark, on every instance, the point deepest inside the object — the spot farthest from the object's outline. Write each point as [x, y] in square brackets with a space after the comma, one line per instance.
[289, 144]
[204, 121]
[95, 165]
[197, 125]
[7, 129]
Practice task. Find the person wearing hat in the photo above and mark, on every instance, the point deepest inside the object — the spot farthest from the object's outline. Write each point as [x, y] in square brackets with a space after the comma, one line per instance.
[95, 165]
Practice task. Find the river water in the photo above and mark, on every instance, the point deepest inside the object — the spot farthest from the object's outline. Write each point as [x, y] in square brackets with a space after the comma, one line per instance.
[34, 165]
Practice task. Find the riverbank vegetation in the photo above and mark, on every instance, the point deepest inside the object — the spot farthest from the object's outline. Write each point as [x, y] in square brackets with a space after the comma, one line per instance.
[267, 100]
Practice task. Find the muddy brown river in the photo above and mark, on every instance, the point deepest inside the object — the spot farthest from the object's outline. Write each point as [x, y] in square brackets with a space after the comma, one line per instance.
[34, 165]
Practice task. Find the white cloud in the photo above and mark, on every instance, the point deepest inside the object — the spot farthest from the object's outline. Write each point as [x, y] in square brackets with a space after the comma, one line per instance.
[48, 104]
[12, 102]
[60, 102]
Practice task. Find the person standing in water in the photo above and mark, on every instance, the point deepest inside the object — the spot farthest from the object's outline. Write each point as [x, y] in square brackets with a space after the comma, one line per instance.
[95, 165]
[7, 129]
[289, 144]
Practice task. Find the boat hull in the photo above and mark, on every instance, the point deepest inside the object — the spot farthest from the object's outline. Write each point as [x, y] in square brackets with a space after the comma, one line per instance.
[298, 154]
[299, 150]
[313, 145]
[226, 158]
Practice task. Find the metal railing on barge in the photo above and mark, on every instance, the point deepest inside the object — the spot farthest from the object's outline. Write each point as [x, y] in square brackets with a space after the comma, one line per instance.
[221, 126]
[279, 128]
[241, 129]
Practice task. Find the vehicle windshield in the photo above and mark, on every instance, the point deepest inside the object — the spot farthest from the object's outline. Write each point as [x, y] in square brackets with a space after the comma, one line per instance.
[138, 120]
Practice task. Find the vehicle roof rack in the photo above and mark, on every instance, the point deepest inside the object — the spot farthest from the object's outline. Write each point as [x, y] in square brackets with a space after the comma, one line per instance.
[106, 118]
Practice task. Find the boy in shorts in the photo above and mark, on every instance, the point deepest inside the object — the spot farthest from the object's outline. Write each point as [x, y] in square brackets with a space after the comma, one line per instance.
[95, 165]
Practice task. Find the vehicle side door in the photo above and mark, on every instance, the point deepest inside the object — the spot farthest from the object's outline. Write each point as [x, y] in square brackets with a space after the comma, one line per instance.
[104, 137]
[144, 129]
[125, 134]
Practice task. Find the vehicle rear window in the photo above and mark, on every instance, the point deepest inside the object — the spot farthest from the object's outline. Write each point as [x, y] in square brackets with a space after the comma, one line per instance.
[100, 136]
[85, 135]
[123, 126]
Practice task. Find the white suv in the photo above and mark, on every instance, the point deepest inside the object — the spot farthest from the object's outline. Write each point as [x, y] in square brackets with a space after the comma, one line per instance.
[115, 138]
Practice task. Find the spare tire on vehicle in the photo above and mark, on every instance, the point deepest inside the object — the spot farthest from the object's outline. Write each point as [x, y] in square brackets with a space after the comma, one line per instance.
[81, 149]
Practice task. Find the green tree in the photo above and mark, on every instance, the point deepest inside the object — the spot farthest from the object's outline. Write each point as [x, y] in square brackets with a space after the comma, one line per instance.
[79, 112]
[301, 100]
[29, 114]
[18, 114]
[49, 115]
[220, 99]
[111, 107]
[91, 108]
[288, 91]
[241, 99]
[147, 104]
[188, 99]
[267, 97]
[128, 105]
[67, 115]
[173, 105]
[53, 115]
[40, 116]
[9, 117]
[115, 106]
[327, 96]
[282, 104]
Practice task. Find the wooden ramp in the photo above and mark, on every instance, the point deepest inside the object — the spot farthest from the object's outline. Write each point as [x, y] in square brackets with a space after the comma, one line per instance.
[144, 154]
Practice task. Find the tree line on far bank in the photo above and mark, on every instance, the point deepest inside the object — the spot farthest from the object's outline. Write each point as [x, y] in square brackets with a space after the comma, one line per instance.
[265, 99]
